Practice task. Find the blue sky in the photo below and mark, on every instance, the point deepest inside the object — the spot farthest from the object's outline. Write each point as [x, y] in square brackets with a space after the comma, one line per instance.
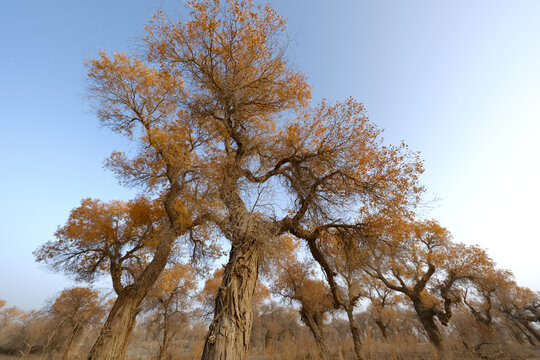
[458, 81]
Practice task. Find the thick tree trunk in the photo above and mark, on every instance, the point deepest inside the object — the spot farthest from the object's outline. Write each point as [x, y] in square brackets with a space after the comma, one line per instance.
[434, 335]
[427, 318]
[315, 326]
[230, 331]
[114, 336]
[113, 339]
[355, 331]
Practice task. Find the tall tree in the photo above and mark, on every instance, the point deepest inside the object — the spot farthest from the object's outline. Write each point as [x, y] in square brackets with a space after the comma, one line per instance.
[143, 103]
[125, 240]
[220, 109]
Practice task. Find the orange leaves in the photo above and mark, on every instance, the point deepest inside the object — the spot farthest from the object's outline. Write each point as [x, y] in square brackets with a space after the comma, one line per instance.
[177, 282]
[129, 91]
[101, 236]
[338, 160]
[78, 306]
[233, 56]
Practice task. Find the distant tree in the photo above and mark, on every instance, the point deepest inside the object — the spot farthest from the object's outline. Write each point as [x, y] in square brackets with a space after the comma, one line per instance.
[74, 310]
[382, 302]
[12, 320]
[522, 306]
[171, 301]
[482, 296]
[276, 323]
[420, 261]
[294, 280]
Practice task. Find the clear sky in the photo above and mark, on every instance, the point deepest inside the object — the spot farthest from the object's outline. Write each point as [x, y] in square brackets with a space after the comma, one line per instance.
[457, 80]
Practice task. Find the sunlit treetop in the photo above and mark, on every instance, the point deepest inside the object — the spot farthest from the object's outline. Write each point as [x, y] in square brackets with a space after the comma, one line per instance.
[233, 56]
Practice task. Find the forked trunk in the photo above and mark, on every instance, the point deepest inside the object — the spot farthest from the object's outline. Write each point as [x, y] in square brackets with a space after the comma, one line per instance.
[355, 331]
[315, 326]
[114, 336]
[427, 318]
[230, 331]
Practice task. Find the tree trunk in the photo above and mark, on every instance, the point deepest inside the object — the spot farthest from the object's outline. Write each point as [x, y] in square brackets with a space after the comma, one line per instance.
[427, 319]
[267, 338]
[114, 336]
[230, 330]
[315, 326]
[113, 339]
[432, 330]
[165, 342]
[74, 334]
[355, 331]
[382, 327]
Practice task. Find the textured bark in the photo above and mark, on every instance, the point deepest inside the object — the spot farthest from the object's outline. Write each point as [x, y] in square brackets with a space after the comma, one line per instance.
[427, 319]
[229, 333]
[355, 331]
[114, 336]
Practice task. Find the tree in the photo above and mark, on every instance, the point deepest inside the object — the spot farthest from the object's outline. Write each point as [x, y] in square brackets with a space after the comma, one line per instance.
[382, 302]
[420, 261]
[74, 310]
[170, 298]
[11, 328]
[130, 241]
[294, 280]
[343, 257]
[483, 291]
[222, 111]
[522, 306]
[276, 323]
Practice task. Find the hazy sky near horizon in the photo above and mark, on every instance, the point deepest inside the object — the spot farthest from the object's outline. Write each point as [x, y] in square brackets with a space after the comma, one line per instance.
[458, 81]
